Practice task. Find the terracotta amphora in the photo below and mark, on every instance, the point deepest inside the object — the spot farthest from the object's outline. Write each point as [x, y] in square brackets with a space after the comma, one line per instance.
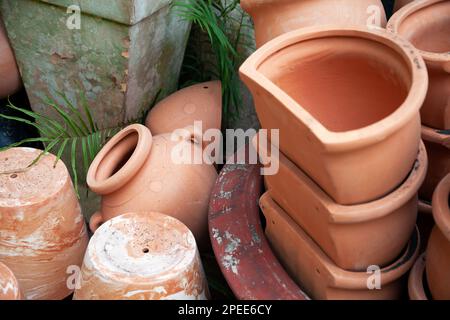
[346, 103]
[275, 17]
[438, 250]
[416, 283]
[136, 172]
[10, 80]
[42, 230]
[426, 25]
[316, 273]
[142, 256]
[9, 286]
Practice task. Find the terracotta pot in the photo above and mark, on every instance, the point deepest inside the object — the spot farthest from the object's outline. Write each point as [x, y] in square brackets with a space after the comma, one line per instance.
[338, 136]
[10, 80]
[200, 102]
[438, 250]
[9, 286]
[317, 274]
[274, 17]
[41, 226]
[142, 256]
[135, 172]
[437, 144]
[425, 23]
[354, 237]
[416, 285]
[401, 3]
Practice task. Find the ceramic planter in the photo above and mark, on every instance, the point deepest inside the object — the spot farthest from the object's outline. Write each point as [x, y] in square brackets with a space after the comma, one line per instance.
[200, 102]
[144, 256]
[308, 84]
[42, 230]
[416, 284]
[10, 80]
[357, 236]
[318, 275]
[438, 250]
[426, 25]
[9, 286]
[136, 172]
[274, 17]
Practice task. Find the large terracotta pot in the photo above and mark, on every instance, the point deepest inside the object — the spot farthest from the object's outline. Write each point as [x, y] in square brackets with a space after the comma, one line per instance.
[275, 17]
[416, 283]
[145, 256]
[426, 24]
[438, 250]
[200, 102]
[136, 172]
[42, 230]
[309, 84]
[10, 80]
[354, 237]
[9, 286]
[318, 275]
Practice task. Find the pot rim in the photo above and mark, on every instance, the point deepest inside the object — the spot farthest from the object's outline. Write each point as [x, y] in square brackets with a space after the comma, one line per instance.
[399, 17]
[440, 204]
[416, 288]
[436, 136]
[129, 169]
[352, 139]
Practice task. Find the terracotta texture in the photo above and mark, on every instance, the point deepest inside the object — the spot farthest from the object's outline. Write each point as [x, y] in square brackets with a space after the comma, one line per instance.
[308, 84]
[42, 230]
[9, 286]
[426, 24]
[416, 285]
[357, 236]
[275, 17]
[318, 275]
[10, 80]
[401, 3]
[135, 172]
[144, 256]
[200, 102]
[438, 250]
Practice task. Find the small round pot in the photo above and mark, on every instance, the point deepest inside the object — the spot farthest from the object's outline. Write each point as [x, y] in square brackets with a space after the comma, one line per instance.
[42, 229]
[136, 172]
[438, 250]
[275, 17]
[9, 286]
[10, 80]
[416, 285]
[426, 25]
[142, 256]
[201, 102]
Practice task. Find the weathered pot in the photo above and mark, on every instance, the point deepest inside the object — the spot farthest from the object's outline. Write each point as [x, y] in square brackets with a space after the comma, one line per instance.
[10, 80]
[42, 230]
[416, 285]
[142, 256]
[308, 84]
[9, 286]
[136, 172]
[354, 237]
[200, 102]
[438, 250]
[318, 275]
[426, 25]
[274, 17]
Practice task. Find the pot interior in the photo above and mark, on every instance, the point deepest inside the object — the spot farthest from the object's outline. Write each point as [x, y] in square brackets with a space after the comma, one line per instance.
[344, 82]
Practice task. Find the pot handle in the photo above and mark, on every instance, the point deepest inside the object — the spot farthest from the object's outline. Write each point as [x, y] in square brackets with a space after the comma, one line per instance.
[96, 221]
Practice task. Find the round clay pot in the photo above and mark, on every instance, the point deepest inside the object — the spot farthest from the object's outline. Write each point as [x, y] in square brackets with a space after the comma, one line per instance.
[9, 286]
[416, 285]
[356, 236]
[438, 250]
[427, 26]
[308, 83]
[318, 275]
[200, 102]
[10, 80]
[136, 172]
[275, 17]
[142, 256]
[41, 226]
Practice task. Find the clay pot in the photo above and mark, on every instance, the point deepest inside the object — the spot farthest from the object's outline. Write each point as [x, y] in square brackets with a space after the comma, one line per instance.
[308, 84]
[317, 274]
[200, 102]
[416, 285]
[401, 3]
[135, 172]
[10, 80]
[42, 230]
[437, 144]
[354, 237]
[426, 25]
[438, 250]
[142, 256]
[9, 286]
[275, 17]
